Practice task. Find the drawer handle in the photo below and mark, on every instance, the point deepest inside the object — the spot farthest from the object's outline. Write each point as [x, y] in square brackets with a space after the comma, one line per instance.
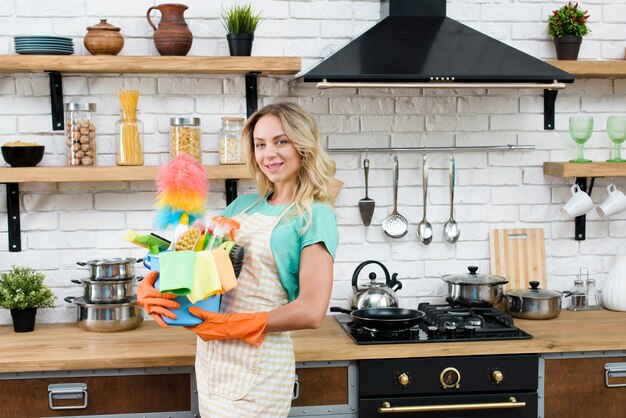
[512, 403]
[67, 391]
[296, 389]
[614, 370]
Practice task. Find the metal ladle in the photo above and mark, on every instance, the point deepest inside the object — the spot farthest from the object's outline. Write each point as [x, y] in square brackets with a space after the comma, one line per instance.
[451, 230]
[424, 228]
[395, 225]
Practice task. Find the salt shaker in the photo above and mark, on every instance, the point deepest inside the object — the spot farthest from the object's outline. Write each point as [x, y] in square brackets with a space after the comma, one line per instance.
[592, 294]
[579, 297]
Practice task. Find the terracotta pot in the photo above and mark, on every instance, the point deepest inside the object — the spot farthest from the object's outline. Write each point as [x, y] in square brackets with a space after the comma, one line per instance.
[103, 39]
[567, 47]
[172, 37]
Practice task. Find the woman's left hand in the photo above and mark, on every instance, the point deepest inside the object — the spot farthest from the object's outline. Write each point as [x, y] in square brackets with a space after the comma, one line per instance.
[248, 327]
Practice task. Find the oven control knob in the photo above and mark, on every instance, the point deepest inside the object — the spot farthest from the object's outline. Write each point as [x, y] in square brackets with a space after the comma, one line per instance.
[403, 379]
[497, 376]
[450, 378]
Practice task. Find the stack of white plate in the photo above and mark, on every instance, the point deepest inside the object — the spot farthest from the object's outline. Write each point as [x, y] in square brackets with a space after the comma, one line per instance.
[43, 45]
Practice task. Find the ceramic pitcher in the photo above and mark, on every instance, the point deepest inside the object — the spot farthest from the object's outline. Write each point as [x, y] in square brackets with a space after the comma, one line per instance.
[172, 36]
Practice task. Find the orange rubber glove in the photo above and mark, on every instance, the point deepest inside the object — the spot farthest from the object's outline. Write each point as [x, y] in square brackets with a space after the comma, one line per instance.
[249, 327]
[155, 302]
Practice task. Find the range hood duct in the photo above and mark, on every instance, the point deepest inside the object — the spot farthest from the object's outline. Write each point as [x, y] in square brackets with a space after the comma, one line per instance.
[416, 45]
[416, 42]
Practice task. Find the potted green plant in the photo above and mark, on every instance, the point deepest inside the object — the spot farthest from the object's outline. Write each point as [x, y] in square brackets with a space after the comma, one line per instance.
[22, 290]
[567, 26]
[240, 22]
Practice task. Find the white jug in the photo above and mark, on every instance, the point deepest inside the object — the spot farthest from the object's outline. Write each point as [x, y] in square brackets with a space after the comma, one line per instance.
[614, 293]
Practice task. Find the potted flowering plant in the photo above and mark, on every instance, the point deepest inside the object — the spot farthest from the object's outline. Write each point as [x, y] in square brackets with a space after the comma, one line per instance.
[568, 25]
[240, 22]
[22, 291]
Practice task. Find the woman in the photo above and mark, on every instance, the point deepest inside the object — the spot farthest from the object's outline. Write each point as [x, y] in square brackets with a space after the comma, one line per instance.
[244, 361]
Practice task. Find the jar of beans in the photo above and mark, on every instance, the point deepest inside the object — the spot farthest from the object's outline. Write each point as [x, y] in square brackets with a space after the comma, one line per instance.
[231, 148]
[185, 137]
[80, 133]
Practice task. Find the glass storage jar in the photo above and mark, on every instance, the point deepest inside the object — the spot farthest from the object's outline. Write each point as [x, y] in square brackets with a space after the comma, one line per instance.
[80, 133]
[185, 137]
[129, 135]
[231, 148]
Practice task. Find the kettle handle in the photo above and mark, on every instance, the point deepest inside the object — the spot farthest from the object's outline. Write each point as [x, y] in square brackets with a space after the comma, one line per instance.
[355, 275]
[148, 16]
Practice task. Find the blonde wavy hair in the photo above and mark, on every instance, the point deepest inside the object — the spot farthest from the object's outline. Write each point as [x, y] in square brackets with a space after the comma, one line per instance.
[317, 169]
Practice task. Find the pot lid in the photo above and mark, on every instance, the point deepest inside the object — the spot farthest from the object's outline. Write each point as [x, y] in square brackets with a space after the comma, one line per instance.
[103, 25]
[473, 278]
[110, 261]
[534, 292]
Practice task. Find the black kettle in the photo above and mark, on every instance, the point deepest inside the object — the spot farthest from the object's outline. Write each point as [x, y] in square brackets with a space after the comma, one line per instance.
[374, 294]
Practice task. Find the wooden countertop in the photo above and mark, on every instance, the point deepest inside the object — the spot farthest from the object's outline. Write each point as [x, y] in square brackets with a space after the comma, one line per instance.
[67, 347]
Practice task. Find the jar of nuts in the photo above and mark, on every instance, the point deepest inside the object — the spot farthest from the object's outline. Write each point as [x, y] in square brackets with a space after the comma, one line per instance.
[80, 133]
[231, 148]
[185, 137]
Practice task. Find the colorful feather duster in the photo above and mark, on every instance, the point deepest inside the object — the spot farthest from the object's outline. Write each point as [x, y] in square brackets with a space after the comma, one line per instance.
[182, 188]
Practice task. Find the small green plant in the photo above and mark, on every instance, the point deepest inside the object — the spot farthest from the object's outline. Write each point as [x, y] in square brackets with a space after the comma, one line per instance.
[241, 19]
[568, 20]
[23, 288]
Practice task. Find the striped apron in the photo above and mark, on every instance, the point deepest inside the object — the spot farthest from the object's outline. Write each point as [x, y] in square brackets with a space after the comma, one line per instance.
[236, 379]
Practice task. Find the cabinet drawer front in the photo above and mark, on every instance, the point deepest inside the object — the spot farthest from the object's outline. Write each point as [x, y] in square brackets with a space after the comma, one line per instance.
[106, 395]
[322, 386]
[577, 388]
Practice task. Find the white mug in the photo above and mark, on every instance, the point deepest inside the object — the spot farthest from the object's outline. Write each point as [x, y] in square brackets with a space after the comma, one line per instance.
[579, 204]
[615, 202]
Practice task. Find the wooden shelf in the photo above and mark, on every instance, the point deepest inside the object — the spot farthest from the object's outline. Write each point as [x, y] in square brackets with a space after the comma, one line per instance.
[597, 169]
[598, 69]
[149, 64]
[107, 173]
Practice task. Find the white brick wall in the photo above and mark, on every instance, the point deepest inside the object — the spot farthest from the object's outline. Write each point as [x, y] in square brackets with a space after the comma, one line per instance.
[69, 222]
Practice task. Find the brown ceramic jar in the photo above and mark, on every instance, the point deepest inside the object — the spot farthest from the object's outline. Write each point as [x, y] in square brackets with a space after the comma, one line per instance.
[172, 37]
[103, 39]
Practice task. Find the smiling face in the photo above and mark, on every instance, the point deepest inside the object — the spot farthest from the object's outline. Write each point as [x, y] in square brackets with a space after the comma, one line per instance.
[275, 153]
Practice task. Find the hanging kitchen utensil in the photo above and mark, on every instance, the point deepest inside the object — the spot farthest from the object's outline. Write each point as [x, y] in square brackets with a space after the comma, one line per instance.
[451, 230]
[518, 254]
[366, 205]
[424, 228]
[395, 225]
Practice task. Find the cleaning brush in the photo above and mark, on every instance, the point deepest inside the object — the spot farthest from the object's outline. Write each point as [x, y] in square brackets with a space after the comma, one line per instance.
[235, 253]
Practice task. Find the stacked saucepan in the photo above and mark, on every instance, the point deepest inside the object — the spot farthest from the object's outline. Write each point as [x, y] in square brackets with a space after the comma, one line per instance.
[108, 303]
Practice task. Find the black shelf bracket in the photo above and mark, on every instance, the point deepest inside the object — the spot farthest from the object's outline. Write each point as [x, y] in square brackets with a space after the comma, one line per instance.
[56, 100]
[252, 100]
[231, 190]
[549, 99]
[581, 221]
[13, 217]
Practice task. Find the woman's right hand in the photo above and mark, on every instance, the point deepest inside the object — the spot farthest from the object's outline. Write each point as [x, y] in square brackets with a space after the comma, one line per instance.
[157, 304]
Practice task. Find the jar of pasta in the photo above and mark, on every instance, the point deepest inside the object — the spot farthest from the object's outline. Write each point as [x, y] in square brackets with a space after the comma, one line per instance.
[80, 133]
[185, 137]
[231, 148]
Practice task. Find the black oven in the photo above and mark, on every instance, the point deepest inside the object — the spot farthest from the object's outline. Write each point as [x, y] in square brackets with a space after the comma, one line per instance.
[500, 386]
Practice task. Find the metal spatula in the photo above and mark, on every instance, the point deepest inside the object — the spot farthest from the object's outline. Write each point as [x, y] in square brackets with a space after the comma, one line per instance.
[366, 205]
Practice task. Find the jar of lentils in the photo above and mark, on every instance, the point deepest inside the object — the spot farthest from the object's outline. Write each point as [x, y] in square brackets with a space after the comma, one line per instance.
[185, 137]
[80, 133]
[231, 147]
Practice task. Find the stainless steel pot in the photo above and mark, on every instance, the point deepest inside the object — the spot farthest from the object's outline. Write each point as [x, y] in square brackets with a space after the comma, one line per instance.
[474, 289]
[111, 268]
[535, 303]
[106, 291]
[110, 317]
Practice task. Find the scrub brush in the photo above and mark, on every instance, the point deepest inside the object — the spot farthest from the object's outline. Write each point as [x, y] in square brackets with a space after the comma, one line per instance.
[235, 253]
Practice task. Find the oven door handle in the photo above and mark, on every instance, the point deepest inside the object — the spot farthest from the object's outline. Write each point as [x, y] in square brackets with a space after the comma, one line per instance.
[512, 403]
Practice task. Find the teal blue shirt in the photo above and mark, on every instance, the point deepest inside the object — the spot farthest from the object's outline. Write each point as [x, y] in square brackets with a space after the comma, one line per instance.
[287, 241]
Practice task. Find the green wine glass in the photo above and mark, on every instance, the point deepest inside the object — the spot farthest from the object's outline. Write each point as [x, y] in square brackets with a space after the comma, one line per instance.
[616, 129]
[580, 129]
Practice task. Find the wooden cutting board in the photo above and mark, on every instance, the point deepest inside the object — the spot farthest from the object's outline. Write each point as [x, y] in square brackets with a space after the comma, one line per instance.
[518, 254]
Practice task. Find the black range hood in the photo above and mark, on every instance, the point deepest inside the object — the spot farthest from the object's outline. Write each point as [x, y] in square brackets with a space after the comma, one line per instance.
[416, 45]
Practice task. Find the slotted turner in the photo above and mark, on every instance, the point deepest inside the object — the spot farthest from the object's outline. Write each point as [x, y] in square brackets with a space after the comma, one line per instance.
[366, 205]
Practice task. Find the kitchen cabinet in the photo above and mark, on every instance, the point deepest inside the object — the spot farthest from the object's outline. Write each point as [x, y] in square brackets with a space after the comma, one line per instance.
[149, 392]
[577, 387]
[54, 65]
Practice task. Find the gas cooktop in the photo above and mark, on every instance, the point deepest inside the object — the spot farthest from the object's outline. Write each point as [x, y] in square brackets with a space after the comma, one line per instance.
[442, 323]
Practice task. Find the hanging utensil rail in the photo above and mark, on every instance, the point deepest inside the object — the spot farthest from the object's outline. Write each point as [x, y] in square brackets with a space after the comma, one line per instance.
[508, 147]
